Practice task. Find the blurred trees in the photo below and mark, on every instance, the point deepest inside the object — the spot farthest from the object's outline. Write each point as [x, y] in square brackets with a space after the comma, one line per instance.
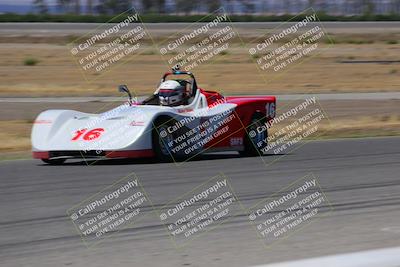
[69, 6]
[77, 7]
[155, 6]
[89, 6]
[212, 5]
[368, 7]
[113, 6]
[41, 6]
[184, 6]
[269, 7]
[248, 6]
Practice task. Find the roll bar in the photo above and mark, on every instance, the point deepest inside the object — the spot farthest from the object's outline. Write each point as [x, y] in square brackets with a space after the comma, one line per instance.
[178, 72]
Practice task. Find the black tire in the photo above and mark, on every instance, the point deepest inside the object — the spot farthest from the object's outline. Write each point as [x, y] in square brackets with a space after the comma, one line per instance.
[254, 136]
[54, 161]
[159, 142]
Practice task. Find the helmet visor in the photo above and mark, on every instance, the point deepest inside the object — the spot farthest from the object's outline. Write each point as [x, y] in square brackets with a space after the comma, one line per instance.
[167, 92]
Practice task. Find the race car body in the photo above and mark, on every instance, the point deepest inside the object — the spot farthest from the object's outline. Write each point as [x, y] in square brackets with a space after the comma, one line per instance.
[206, 122]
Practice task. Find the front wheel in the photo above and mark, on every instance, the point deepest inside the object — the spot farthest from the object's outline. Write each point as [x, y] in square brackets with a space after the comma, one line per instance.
[54, 161]
[162, 139]
[256, 138]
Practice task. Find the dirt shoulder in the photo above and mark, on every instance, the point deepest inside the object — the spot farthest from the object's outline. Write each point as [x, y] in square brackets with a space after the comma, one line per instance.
[339, 68]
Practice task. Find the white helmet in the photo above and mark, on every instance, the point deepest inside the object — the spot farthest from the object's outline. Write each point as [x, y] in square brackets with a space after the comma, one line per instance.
[171, 93]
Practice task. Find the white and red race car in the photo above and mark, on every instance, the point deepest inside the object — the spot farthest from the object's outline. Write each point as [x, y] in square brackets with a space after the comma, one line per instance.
[208, 122]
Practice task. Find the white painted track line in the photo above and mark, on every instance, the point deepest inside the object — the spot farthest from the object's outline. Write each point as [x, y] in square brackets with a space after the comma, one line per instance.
[389, 257]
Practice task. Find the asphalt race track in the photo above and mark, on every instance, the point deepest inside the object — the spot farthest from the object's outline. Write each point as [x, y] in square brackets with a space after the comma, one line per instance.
[360, 177]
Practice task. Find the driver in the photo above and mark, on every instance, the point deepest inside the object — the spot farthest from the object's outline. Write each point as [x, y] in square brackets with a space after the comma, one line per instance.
[172, 93]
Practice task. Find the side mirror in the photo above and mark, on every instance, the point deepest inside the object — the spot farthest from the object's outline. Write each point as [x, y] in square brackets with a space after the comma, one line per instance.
[124, 89]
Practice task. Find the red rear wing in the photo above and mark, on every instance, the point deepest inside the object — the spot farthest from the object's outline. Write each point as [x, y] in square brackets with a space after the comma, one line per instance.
[212, 97]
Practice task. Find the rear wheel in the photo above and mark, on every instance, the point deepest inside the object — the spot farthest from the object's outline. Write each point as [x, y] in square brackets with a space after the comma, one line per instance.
[255, 139]
[54, 161]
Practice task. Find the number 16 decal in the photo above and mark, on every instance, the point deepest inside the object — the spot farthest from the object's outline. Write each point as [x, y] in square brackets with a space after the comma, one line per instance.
[87, 136]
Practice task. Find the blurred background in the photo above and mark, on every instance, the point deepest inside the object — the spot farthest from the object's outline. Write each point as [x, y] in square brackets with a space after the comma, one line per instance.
[177, 7]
